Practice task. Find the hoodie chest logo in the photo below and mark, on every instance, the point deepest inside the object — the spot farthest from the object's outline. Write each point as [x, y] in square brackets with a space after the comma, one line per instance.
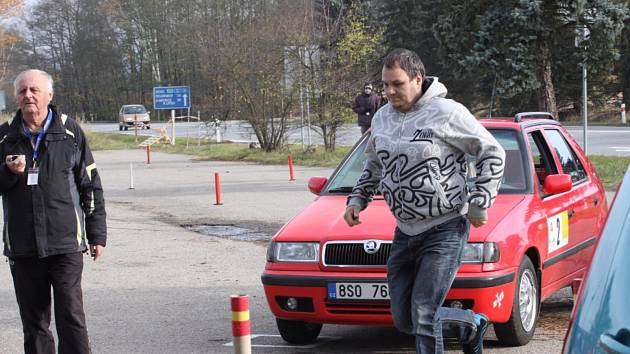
[422, 135]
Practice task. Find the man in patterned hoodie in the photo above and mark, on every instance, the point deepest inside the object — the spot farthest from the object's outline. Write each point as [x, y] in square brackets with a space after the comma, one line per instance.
[416, 157]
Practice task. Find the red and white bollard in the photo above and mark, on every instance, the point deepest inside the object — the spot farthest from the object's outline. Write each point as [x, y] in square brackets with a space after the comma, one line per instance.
[241, 325]
[217, 189]
[148, 154]
[291, 176]
[623, 113]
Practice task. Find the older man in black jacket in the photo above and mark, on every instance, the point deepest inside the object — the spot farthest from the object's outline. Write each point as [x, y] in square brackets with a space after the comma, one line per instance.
[54, 211]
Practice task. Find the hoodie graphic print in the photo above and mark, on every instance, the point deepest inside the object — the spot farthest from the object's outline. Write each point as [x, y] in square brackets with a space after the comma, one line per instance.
[418, 162]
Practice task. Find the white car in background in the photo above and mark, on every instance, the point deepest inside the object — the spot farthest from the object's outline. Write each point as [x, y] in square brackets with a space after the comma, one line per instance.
[133, 114]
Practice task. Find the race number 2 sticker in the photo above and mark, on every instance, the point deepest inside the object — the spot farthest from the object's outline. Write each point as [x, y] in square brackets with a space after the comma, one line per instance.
[558, 231]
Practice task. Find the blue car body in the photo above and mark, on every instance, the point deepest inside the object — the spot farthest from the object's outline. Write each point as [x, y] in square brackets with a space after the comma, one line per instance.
[601, 318]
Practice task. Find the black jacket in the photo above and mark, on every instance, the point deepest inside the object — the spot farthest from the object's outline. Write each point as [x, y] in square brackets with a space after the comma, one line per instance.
[67, 205]
[365, 106]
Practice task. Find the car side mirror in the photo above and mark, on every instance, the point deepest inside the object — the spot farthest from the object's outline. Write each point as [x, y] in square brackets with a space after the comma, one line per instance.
[556, 184]
[148, 112]
[316, 184]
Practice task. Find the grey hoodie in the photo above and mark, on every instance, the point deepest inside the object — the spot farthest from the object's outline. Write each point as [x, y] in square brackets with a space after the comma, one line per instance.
[418, 161]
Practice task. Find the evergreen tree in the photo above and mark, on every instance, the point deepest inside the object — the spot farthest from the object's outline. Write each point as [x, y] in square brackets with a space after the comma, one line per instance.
[519, 44]
[412, 24]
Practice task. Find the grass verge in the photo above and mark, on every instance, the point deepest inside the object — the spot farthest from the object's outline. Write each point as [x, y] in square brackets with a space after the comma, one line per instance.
[610, 168]
[316, 157]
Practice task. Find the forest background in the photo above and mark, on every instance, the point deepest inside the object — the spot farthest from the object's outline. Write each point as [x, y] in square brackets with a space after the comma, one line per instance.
[270, 62]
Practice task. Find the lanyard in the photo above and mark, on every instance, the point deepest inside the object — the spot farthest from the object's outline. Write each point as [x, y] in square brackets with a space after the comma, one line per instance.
[40, 136]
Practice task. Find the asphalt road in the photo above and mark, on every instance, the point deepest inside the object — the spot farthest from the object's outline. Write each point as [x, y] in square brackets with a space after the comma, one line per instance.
[613, 141]
[161, 288]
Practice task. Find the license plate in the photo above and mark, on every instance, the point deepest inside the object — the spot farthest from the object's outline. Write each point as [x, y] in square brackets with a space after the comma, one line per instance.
[358, 291]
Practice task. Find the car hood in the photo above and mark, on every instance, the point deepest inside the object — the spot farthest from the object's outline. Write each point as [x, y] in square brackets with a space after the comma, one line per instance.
[323, 220]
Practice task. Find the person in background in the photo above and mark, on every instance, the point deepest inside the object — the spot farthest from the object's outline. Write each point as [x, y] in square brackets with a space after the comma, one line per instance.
[384, 100]
[54, 212]
[365, 106]
[416, 158]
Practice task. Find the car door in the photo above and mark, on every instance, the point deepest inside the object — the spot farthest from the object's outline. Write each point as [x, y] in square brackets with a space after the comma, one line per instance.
[585, 196]
[552, 210]
[571, 249]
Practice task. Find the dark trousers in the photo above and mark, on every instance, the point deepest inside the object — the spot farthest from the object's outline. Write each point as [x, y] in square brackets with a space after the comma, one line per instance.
[420, 271]
[33, 279]
[364, 128]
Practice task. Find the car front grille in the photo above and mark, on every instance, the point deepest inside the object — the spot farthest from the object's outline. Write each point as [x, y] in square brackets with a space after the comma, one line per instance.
[354, 254]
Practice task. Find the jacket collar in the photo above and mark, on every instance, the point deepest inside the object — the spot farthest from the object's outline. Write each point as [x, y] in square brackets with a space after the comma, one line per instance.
[16, 130]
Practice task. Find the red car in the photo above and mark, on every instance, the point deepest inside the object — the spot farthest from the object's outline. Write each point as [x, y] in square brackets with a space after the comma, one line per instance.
[540, 235]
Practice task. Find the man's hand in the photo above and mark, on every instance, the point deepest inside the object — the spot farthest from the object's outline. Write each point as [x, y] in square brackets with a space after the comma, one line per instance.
[351, 216]
[96, 251]
[478, 222]
[16, 163]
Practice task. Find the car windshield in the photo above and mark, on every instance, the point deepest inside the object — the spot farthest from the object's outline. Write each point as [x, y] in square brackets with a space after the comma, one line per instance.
[514, 179]
[134, 110]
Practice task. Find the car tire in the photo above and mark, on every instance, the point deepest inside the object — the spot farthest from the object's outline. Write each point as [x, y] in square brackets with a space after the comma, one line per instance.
[298, 332]
[148, 127]
[520, 328]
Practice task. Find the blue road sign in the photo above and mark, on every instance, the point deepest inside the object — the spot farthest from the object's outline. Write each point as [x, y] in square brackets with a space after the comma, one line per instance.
[171, 97]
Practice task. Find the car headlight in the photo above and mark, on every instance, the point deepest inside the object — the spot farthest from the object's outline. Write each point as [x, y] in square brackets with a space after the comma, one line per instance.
[487, 252]
[293, 252]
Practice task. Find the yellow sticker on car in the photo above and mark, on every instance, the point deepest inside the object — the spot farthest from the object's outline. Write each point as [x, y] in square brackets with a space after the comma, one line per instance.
[558, 231]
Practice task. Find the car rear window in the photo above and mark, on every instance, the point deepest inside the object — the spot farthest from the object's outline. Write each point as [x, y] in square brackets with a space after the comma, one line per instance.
[134, 110]
[514, 178]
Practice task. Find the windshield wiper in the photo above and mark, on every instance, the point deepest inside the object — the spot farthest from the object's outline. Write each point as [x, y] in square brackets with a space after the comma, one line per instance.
[345, 189]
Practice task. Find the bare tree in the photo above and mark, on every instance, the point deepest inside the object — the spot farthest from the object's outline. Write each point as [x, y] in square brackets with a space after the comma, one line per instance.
[343, 59]
[8, 39]
[256, 69]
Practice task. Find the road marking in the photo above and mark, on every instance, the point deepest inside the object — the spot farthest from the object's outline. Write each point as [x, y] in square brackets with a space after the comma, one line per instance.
[620, 148]
[590, 131]
[320, 340]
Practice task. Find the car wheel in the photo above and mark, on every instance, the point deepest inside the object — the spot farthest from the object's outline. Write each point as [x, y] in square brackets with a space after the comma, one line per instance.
[519, 330]
[298, 332]
[148, 127]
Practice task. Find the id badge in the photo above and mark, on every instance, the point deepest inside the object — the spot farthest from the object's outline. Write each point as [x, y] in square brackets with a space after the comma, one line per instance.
[33, 176]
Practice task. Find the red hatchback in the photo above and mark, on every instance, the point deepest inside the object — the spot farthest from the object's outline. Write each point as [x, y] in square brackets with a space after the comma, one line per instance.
[540, 235]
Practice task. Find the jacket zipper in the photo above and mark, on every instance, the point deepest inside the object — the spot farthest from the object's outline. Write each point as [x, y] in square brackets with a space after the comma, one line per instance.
[400, 199]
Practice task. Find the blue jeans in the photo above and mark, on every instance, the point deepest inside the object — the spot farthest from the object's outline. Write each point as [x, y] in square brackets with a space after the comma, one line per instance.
[420, 271]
